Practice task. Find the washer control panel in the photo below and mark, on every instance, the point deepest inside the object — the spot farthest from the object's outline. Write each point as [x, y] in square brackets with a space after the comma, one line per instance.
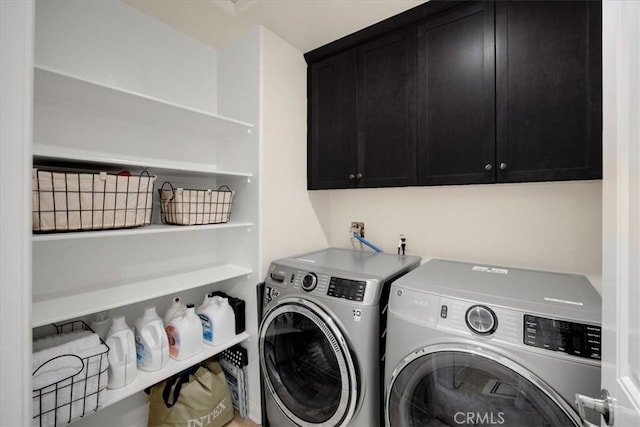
[576, 339]
[352, 290]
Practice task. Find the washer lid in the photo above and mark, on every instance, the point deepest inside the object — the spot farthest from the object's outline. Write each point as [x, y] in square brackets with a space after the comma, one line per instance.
[334, 261]
[555, 294]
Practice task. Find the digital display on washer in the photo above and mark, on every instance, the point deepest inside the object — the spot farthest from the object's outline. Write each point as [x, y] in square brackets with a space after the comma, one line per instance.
[348, 289]
[576, 339]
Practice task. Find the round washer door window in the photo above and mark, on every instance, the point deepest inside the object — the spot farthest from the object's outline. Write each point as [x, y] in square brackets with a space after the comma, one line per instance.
[458, 387]
[307, 365]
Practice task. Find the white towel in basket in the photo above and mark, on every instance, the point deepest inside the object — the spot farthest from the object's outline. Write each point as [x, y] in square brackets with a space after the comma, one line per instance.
[66, 373]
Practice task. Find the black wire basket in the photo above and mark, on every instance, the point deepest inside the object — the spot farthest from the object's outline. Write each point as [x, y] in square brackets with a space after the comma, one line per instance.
[195, 207]
[82, 201]
[79, 386]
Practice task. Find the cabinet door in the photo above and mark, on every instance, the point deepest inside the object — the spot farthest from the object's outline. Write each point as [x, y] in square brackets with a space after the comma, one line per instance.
[456, 96]
[549, 90]
[387, 111]
[332, 126]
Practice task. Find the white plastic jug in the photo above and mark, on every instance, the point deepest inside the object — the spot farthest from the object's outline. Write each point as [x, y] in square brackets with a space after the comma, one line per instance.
[152, 345]
[206, 313]
[122, 354]
[101, 323]
[185, 335]
[176, 309]
[218, 321]
[205, 302]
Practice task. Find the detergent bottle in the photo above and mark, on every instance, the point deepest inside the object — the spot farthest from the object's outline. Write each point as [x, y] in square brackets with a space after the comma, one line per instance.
[176, 308]
[101, 323]
[205, 302]
[122, 354]
[205, 312]
[224, 321]
[185, 334]
[152, 345]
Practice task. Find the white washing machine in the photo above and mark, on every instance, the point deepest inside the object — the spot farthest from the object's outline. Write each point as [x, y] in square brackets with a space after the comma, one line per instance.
[479, 345]
[320, 337]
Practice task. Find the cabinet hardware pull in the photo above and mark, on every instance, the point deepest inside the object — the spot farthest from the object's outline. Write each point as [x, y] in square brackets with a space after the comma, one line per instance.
[359, 175]
[488, 167]
[503, 166]
[352, 176]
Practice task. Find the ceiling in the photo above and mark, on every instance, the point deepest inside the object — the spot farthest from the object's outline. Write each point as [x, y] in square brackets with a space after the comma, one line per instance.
[305, 24]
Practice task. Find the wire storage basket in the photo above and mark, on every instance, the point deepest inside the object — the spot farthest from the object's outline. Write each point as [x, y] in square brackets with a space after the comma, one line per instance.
[195, 207]
[73, 381]
[80, 201]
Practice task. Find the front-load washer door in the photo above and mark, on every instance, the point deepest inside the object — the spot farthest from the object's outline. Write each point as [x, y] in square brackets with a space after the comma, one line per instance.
[307, 365]
[463, 385]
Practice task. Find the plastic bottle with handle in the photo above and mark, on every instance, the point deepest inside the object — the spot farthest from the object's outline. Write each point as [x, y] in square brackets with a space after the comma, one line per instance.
[152, 345]
[122, 354]
[185, 335]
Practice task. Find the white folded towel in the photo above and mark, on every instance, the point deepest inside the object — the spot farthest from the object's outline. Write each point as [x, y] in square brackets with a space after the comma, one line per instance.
[68, 377]
[58, 339]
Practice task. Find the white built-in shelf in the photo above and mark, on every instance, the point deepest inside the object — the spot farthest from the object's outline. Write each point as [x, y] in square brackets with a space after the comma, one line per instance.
[61, 86]
[43, 152]
[147, 379]
[54, 308]
[150, 229]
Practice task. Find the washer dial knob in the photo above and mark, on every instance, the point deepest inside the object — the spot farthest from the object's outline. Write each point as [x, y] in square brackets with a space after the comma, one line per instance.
[309, 282]
[481, 320]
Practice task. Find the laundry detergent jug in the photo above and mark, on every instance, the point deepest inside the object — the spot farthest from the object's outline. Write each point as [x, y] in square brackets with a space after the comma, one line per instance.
[152, 345]
[185, 334]
[177, 308]
[218, 321]
[122, 354]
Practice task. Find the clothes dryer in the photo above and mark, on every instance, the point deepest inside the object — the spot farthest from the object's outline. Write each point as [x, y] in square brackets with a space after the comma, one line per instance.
[320, 335]
[481, 345]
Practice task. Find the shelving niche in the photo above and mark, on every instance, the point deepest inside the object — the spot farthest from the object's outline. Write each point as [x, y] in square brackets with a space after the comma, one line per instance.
[81, 124]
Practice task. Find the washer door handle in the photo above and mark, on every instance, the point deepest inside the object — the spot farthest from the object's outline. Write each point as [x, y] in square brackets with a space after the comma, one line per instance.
[603, 406]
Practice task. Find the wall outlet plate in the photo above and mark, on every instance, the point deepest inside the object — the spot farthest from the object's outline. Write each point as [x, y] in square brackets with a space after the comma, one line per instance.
[357, 227]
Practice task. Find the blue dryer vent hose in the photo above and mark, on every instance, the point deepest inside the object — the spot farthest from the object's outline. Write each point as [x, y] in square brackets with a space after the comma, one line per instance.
[366, 242]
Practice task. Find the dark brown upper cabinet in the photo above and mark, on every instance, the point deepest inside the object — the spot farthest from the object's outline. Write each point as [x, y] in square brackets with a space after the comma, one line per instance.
[456, 96]
[387, 111]
[549, 90]
[332, 123]
[460, 93]
[362, 112]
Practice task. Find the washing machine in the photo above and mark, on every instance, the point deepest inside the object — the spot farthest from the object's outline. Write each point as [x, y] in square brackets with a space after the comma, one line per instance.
[482, 345]
[320, 337]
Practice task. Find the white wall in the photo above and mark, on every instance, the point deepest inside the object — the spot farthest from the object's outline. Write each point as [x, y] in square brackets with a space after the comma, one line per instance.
[111, 43]
[290, 221]
[550, 226]
[16, 84]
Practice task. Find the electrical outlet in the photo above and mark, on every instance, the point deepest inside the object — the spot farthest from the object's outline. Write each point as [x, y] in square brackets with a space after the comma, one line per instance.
[357, 227]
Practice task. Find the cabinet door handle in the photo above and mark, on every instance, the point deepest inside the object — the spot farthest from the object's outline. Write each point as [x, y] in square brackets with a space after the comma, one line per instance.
[503, 166]
[488, 167]
[352, 177]
[359, 175]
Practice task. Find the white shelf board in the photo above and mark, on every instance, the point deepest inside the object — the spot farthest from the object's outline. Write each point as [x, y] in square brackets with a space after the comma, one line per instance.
[147, 379]
[60, 85]
[122, 232]
[53, 308]
[66, 154]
